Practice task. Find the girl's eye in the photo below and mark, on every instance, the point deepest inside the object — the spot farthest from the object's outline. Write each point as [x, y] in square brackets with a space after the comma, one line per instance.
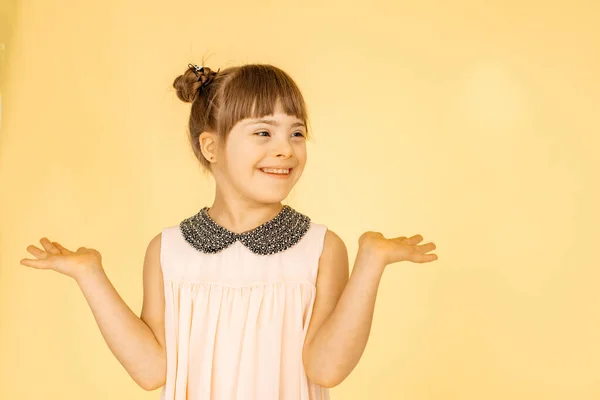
[299, 134]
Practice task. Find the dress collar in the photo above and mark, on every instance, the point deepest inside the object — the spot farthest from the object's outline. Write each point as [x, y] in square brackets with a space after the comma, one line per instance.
[276, 235]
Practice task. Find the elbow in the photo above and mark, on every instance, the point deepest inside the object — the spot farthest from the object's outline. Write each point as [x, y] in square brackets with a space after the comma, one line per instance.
[154, 377]
[322, 371]
[329, 383]
[325, 380]
[151, 384]
[323, 377]
[153, 380]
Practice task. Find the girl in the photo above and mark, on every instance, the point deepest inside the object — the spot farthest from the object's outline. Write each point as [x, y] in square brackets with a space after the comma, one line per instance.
[248, 298]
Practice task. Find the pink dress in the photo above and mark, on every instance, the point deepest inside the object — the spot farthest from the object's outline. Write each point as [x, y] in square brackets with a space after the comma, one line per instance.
[237, 308]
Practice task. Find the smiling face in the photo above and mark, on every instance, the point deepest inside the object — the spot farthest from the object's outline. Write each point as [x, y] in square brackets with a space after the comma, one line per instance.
[262, 158]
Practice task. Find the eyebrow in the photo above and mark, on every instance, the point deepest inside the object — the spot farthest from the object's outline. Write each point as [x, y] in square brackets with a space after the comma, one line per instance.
[272, 122]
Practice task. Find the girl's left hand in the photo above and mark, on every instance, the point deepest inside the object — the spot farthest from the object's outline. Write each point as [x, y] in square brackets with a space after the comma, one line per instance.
[397, 249]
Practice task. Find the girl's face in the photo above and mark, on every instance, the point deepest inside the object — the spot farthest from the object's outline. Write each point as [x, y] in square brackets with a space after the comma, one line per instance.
[256, 146]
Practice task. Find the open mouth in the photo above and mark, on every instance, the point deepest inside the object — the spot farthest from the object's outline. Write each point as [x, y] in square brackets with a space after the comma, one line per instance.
[277, 173]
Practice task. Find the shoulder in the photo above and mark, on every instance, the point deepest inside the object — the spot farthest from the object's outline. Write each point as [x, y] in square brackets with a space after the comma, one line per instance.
[333, 262]
[333, 244]
[155, 241]
[153, 250]
[329, 242]
[168, 237]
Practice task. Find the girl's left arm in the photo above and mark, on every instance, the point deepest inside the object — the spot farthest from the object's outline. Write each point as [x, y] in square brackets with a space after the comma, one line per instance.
[342, 313]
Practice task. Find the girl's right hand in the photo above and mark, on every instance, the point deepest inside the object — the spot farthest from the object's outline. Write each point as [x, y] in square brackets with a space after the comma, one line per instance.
[57, 258]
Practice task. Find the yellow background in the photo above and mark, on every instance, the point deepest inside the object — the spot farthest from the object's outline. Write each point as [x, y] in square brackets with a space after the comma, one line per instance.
[473, 123]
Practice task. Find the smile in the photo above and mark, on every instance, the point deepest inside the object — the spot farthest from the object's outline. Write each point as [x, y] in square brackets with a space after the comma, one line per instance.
[278, 173]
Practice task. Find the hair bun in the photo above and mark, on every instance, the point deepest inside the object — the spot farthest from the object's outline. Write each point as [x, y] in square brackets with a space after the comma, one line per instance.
[193, 79]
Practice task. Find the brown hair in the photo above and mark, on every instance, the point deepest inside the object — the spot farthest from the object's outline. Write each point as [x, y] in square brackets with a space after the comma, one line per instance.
[222, 98]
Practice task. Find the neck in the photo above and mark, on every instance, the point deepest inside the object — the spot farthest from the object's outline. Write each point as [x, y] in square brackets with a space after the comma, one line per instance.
[239, 216]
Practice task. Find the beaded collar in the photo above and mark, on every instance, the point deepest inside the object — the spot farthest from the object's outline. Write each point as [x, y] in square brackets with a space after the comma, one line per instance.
[278, 234]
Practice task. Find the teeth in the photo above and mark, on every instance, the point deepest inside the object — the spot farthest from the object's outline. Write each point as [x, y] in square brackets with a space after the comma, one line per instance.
[276, 171]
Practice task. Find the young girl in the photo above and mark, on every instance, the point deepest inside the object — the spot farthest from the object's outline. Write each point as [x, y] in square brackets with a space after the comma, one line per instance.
[248, 298]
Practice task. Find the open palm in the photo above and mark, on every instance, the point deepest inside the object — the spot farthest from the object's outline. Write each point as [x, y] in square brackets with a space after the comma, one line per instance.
[397, 249]
[58, 258]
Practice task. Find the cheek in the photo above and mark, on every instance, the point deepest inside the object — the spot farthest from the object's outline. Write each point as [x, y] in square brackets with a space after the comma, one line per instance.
[243, 160]
[241, 151]
[301, 153]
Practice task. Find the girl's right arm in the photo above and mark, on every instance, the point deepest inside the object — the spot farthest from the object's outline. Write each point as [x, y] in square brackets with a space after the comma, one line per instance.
[137, 342]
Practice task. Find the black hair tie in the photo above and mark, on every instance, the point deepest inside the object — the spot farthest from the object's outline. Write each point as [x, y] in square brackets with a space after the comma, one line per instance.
[199, 71]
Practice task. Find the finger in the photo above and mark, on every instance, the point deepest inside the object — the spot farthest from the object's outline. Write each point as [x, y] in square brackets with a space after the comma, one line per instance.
[424, 248]
[50, 248]
[415, 239]
[37, 264]
[39, 253]
[62, 249]
[423, 258]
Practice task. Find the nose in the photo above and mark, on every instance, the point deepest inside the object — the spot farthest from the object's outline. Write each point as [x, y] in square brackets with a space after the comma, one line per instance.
[284, 148]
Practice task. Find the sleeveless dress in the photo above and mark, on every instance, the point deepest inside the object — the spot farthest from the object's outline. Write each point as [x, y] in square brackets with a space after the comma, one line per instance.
[237, 308]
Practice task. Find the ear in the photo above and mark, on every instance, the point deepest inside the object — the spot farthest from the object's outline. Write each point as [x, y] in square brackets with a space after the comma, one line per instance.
[208, 142]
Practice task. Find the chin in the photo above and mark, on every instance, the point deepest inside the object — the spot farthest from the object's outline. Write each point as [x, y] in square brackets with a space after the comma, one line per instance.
[268, 194]
[271, 198]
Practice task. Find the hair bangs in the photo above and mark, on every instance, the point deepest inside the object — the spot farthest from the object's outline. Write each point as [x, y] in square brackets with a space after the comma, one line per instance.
[255, 91]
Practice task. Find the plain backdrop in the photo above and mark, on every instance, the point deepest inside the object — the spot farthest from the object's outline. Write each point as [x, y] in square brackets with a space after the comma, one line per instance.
[473, 123]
